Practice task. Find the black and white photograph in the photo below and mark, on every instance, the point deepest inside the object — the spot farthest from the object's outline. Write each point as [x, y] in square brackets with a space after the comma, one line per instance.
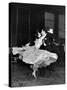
[36, 44]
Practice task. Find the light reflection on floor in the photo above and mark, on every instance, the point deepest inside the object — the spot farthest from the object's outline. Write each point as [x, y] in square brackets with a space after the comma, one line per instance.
[21, 76]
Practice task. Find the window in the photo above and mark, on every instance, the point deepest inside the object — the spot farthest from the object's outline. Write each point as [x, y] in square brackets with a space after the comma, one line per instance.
[49, 20]
[61, 26]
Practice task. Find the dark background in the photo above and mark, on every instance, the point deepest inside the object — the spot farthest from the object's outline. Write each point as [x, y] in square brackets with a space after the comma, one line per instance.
[25, 19]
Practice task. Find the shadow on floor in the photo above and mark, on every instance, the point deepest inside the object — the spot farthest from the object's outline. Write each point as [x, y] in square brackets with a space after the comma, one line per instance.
[21, 75]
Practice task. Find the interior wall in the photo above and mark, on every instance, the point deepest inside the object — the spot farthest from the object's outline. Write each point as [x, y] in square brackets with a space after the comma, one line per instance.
[24, 22]
[12, 26]
[22, 28]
